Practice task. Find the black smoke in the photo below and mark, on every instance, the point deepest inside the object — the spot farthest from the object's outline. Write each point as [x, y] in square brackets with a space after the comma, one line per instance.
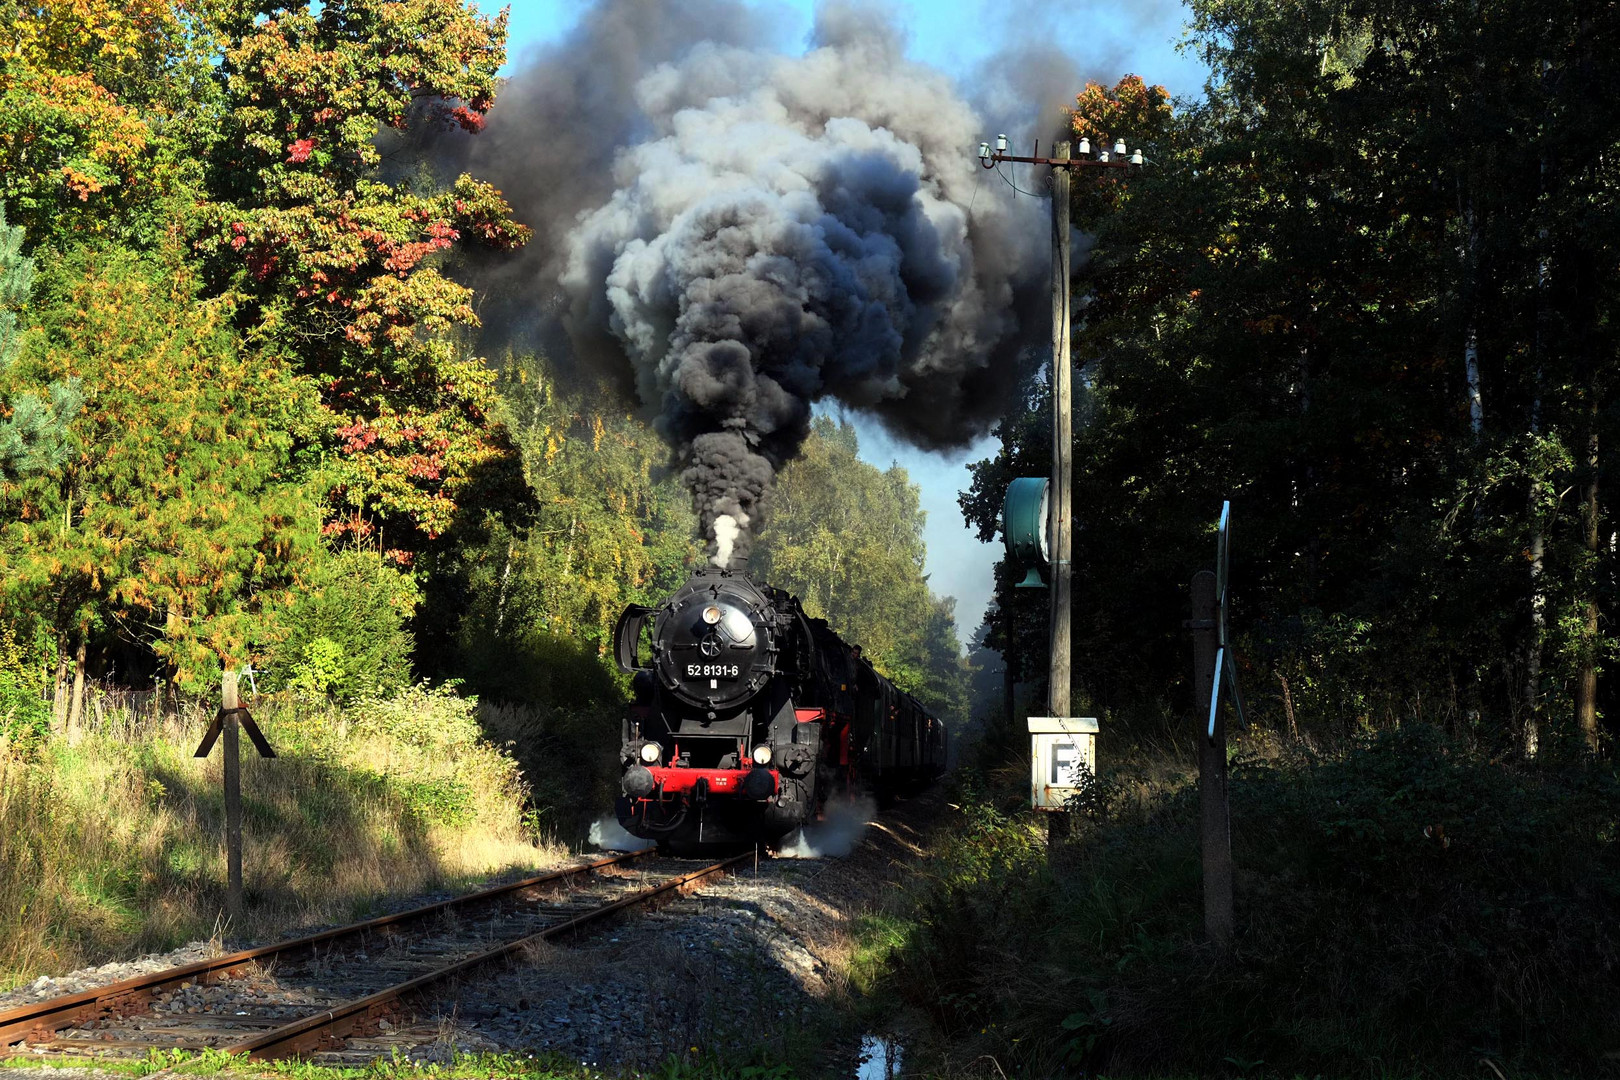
[736, 234]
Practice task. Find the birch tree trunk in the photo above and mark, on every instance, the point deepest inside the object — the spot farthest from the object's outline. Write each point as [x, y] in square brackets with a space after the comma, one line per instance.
[1586, 676]
[76, 709]
[1470, 255]
[1538, 542]
[59, 690]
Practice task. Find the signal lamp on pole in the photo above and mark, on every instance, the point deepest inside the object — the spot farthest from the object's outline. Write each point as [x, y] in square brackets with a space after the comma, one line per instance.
[1038, 515]
[1026, 523]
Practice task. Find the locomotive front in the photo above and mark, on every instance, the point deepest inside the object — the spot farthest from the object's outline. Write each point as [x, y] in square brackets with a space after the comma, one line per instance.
[714, 750]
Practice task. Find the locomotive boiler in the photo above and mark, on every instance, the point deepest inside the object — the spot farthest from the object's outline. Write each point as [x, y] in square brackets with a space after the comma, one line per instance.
[748, 715]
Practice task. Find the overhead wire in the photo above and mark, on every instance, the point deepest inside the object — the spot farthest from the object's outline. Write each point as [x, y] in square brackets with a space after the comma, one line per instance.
[1021, 191]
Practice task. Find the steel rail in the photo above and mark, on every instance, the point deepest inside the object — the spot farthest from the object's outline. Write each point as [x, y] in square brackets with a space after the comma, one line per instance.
[130, 995]
[309, 1032]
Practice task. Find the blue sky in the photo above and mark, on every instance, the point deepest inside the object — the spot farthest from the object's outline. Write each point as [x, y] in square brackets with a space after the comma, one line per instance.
[1114, 37]
[1106, 38]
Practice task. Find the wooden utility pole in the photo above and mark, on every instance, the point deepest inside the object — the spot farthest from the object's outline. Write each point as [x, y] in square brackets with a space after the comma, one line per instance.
[1062, 442]
[229, 703]
[1215, 821]
[1060, 502]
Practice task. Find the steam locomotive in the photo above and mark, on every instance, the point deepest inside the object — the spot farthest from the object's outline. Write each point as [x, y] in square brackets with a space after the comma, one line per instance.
[748, 715]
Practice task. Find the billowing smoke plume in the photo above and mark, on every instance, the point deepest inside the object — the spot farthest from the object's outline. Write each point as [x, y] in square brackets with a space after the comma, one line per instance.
[772, 231]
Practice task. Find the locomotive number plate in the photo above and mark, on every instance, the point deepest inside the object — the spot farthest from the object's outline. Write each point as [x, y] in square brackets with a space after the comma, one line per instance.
[713, 671]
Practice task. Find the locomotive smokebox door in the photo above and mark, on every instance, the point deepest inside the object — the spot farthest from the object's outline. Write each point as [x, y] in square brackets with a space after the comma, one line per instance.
[1062, 747]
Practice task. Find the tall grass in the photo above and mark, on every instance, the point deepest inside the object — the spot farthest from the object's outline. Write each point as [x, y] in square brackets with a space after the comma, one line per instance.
[111, 835]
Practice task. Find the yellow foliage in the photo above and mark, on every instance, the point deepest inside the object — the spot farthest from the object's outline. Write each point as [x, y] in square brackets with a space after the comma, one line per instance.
[64, 35]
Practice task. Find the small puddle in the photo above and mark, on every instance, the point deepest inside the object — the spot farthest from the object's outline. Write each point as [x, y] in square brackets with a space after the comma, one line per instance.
[880, 1058]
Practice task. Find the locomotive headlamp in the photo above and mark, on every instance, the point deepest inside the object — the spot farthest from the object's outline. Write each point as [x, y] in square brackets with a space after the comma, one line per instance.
[712, 614]
[649, 752]
[762, 754]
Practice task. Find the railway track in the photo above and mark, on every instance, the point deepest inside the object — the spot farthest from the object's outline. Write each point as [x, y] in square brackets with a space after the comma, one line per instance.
[351, 990]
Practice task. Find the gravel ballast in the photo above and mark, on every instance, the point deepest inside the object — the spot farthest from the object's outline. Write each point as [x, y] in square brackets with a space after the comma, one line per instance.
[750, 964]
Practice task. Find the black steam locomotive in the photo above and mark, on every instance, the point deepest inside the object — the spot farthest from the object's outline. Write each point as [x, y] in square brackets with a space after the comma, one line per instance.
[748, 715]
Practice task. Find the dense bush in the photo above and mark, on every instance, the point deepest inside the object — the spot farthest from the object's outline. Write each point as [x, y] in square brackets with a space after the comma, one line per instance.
[535, 666]
[1408, 902]
[346, 633]
[569, 757]
[556, 704]
[25, 715]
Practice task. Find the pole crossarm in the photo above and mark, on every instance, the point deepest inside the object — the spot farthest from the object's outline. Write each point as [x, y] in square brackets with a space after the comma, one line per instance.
[217, 726]
[1066, 163]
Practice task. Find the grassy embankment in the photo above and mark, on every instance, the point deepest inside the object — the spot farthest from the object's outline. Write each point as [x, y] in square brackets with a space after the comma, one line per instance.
[111, 837]
[1407, 907]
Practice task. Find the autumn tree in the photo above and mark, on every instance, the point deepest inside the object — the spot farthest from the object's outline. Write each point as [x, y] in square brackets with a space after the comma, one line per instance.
[99, 102]
[328, 258]
[254, 152]
[178, 519]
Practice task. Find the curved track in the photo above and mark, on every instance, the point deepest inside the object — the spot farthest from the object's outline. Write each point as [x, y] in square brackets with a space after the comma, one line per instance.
[312, 993]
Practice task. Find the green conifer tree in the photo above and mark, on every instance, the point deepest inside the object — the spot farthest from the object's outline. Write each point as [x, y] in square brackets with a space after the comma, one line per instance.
[34, 437]
[16, 278]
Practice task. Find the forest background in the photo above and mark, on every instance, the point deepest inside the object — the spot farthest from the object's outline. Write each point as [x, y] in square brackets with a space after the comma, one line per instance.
[1366, 290]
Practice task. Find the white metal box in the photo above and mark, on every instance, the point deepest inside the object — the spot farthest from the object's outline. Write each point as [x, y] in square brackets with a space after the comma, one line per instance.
[1060, 748]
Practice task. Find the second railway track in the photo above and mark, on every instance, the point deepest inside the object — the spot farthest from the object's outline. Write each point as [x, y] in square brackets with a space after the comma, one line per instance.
[354, 984]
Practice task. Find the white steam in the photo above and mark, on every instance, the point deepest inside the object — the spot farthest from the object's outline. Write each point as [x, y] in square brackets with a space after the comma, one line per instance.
[726, 530]
[609, 835]
[842, 825]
